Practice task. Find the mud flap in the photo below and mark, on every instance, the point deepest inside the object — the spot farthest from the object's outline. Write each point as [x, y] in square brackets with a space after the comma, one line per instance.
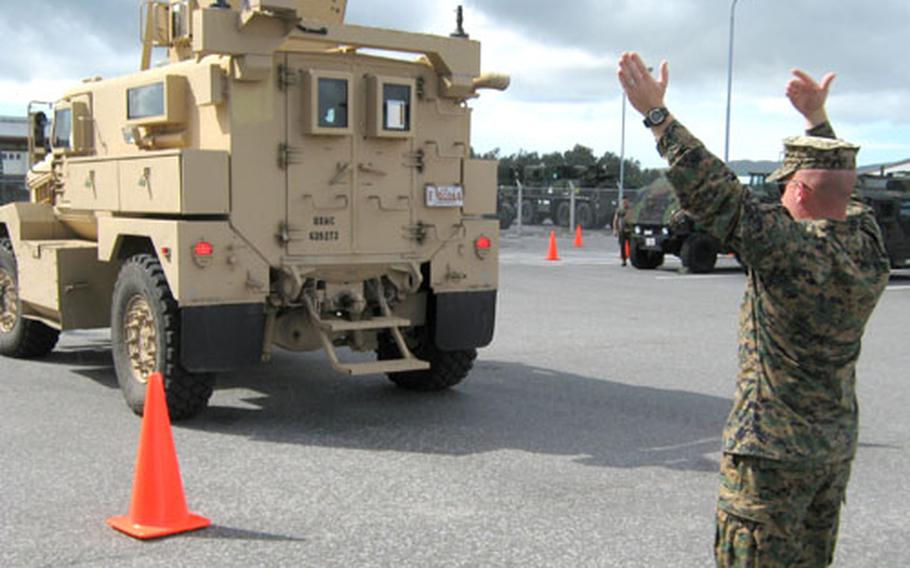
[221, 338]
[463, 320]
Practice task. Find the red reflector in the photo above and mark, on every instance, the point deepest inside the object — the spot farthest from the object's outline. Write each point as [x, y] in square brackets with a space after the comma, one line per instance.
[203, 248]
[483, 243]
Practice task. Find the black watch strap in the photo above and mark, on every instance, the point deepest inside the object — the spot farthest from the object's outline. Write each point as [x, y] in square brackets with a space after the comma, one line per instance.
[656, 116]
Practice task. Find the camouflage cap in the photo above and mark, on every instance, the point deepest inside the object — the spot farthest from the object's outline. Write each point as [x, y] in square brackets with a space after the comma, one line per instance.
[815, 153]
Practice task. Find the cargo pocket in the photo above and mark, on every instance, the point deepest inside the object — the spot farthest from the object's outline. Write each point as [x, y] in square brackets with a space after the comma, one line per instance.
[735, 545]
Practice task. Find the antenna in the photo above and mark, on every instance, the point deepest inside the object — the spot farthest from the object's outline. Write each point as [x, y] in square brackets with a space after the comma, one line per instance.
[459, 24]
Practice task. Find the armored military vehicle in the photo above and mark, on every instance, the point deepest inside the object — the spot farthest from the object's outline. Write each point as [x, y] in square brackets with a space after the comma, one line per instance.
[284, 179]
[661, 227]
[889, 197]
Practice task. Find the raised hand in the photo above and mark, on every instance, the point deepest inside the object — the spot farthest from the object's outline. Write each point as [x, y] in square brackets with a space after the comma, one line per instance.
[808, 97]
[643, 90]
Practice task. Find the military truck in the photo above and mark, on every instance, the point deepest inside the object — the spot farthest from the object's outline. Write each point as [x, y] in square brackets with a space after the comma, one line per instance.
[889, 197]
[661, 227]
[548, 193]
[272, 184]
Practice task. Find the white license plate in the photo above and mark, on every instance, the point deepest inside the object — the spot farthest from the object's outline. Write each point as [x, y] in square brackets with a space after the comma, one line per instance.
[445, 196]
[651, 242]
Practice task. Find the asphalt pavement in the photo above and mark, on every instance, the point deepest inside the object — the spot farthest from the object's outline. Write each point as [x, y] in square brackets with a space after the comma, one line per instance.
[587, 435]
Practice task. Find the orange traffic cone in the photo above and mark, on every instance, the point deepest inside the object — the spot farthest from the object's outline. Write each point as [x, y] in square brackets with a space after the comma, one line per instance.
[579, 242]
[552, 254]
[628, 249]
[158, 507]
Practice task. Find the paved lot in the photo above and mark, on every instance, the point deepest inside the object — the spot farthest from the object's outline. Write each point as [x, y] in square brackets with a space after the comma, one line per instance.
[587, 435]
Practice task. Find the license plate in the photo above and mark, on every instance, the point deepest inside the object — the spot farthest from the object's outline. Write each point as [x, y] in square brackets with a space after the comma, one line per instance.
[651, 242]
[445, 196]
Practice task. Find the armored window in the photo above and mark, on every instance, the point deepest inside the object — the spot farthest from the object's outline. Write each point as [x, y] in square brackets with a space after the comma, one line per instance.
[396, 107]
[145, 102]
[63, 128]
[333, 103]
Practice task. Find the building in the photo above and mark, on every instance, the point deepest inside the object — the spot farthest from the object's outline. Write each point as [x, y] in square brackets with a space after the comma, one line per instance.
[13, 158]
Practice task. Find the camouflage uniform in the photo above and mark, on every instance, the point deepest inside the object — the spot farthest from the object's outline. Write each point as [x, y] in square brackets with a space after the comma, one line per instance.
[792, 434]
[623, 229]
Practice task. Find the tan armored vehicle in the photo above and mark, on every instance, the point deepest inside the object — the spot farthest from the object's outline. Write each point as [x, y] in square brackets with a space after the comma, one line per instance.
[284, 180]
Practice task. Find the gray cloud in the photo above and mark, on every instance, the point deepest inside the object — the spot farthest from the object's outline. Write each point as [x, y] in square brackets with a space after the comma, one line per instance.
[862, 41]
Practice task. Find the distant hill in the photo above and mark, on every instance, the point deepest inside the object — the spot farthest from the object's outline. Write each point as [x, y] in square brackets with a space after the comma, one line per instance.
[746, 167]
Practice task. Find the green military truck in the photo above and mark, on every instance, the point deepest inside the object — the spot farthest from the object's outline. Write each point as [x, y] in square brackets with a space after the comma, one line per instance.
[660, 227]
[889, 197]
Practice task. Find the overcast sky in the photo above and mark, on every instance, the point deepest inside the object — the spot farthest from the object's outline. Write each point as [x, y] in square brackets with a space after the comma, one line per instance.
[562, 58]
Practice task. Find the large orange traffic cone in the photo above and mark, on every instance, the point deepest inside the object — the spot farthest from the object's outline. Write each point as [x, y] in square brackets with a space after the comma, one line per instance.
[158, 507]
[579, 242]
[552, 254]
[628, 249]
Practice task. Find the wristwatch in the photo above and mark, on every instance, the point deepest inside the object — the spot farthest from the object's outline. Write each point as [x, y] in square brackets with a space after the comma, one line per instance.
[656, 116]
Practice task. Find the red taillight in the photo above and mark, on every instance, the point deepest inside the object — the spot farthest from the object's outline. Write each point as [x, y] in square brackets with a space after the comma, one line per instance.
[203, 248]
[483, 243]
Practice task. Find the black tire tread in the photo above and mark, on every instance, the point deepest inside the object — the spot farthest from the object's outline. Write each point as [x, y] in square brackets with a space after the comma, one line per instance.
[187, 394]
[447, 368]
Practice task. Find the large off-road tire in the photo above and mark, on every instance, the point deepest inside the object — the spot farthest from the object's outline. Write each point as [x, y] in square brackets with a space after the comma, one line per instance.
[584, 215]
[145, 338]
[699, 253]
[528, 212]
[447, 368]
[19, 337]
[506, 216]
[644, 259]
[561, 217]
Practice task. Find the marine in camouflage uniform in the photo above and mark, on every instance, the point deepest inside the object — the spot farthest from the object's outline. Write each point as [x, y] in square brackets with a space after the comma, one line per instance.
[622, 228]
[792, 434]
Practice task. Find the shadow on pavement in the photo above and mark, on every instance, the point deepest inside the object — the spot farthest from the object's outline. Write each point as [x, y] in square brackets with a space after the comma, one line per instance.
[217, 532]
[298, 399]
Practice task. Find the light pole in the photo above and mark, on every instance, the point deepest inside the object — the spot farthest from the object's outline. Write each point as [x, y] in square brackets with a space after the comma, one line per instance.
[622, 152]
[729, 81]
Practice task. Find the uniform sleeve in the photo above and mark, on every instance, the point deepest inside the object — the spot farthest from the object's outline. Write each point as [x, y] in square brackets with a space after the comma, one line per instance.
[823, 130]
[713, 196]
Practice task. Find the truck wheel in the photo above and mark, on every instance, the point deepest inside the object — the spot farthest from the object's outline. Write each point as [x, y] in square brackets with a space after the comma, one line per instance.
[528, 212]
[447, 368]
[145, 337]
[506, 216]
[699, 253]
[584, 215]
[562, 214]
[644, 259]
[19, 337]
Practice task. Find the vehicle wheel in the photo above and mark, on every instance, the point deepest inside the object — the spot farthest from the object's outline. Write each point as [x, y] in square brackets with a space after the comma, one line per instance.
[447, 368]
[699, 253]
[584, 215]
[644, 259]
[19, 337]
[528, 212]
[506, 216]
[562, 214]
[145, 337]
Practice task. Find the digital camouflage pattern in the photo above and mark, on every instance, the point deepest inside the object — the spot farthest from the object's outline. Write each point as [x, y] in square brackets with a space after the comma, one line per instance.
[773, 516]
[812, 286]
[815, 153]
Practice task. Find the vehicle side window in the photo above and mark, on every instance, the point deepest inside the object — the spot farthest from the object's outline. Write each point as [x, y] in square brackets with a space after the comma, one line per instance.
[396, 107]
[333, 103]
[63, 128]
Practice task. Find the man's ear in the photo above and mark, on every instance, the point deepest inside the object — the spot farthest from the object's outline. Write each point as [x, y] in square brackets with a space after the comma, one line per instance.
[802, 193]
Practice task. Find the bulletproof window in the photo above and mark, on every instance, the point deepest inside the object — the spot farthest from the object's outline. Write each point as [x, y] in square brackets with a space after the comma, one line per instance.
[145, 102]
[333, 103]
[396, 107]
[63, 128]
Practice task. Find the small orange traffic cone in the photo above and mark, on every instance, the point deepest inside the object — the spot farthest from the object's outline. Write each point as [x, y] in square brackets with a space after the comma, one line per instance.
[552, 254]
[579, 242]
[628, 249]
[158, 507]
